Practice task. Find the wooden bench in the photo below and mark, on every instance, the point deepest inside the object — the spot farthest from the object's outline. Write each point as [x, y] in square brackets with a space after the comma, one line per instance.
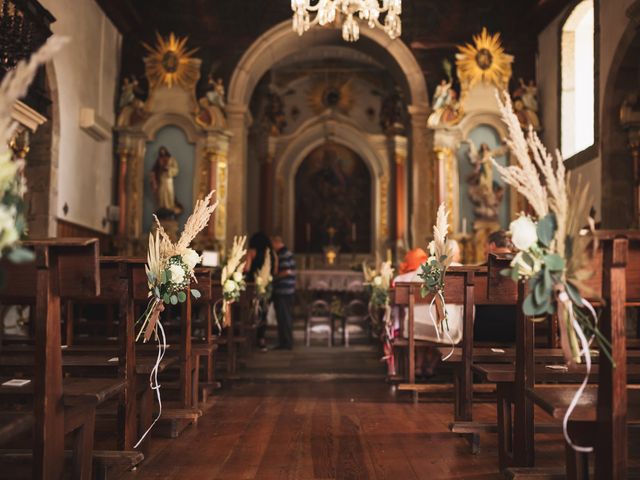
[64, 268]
[519, 390]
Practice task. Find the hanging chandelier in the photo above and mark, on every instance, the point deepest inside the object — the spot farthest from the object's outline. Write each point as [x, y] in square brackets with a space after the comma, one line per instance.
[346, 11]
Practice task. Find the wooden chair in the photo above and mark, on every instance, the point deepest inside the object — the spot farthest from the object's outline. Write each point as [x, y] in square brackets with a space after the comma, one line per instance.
[319, 316]
[356, 318]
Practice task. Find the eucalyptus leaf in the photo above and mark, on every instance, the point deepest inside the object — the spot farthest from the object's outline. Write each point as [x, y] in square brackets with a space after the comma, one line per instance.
[531, 309]
[574, 294]
[182, 297]
[173, 299]
[164, 277]
[21, 255]
[166, 298]
[546, 229]
[195, 293]
[539, 291]
[507, 272]
[554, 262]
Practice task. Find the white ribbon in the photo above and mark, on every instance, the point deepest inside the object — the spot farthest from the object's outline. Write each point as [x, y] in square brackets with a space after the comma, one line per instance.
[564, 298]
[153, 377]
[446, 327]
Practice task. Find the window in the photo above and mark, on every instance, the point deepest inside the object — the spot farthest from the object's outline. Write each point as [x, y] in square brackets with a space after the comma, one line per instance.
[577, 67]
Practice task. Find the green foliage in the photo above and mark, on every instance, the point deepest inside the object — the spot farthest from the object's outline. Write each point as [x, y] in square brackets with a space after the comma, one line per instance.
[432, 275]
[196, 293]
[546, 229]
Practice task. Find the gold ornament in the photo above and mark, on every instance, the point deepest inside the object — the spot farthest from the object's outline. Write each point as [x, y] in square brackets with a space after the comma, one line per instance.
[484, 61]
[170, 63]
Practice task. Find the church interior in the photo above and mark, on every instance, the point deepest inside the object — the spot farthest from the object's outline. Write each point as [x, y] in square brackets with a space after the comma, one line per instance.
[319, 239]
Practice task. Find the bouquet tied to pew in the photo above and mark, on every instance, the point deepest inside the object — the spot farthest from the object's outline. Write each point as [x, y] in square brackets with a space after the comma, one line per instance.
[434, 269]
[377, 282]
[232, 278]
[13, 185]
[170, 266]
[552, 254]
[264, 284]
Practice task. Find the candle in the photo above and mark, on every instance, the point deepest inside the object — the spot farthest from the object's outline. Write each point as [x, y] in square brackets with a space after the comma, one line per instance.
[464, 225]
[353, 232]
[388, 255]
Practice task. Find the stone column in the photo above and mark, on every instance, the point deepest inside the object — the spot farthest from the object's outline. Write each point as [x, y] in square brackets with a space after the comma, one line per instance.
[123, 157]
[634, 146]
[238, 120]
[423, 177]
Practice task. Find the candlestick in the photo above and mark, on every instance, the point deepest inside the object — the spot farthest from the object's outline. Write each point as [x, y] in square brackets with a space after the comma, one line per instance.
[388, 255]
[464, 225]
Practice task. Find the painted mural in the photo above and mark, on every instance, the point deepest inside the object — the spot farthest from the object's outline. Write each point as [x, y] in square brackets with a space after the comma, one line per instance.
[333, 193]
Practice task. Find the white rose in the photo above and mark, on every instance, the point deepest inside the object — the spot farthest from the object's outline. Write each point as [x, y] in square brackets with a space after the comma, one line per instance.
[377, 281]
[177, 273]
[259, 281]
[191, 258]
[8, 232]
[523, 233]
[237, 277]
[229, 286]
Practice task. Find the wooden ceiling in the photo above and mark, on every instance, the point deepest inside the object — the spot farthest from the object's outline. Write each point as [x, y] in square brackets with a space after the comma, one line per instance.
[224, 29]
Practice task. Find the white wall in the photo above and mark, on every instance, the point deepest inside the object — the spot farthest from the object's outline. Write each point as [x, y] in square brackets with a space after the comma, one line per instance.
[613, 22]
[86, 74]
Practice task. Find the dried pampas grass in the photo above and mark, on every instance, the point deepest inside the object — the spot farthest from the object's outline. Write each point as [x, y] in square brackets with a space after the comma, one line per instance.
[441, 246]
[238, 251]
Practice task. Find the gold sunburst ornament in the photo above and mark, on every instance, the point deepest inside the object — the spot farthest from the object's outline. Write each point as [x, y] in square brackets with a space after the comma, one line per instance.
[484, 61]
[170, 63]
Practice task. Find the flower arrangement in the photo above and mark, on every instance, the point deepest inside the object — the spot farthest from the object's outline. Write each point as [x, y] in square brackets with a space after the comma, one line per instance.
[12, 182]
[169, 272]
[433, 271]
[552, 255]
[377, 283]
[264, 279]
[232, 278]
[170, 266]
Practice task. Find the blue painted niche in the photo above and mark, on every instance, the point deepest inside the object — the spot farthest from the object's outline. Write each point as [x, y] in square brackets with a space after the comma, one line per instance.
[175, 140]
[483, 133]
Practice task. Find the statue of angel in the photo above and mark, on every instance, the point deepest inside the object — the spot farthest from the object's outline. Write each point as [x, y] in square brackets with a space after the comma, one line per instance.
[485, 194]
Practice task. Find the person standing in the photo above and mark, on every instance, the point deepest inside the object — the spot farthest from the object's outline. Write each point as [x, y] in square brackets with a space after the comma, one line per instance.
[284, 289]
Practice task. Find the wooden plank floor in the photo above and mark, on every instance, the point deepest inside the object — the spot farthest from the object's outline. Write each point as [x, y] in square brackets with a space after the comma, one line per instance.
[341, 421]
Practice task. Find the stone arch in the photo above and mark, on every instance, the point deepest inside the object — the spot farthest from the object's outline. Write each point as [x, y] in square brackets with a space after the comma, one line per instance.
[310, 138]
[280, 42]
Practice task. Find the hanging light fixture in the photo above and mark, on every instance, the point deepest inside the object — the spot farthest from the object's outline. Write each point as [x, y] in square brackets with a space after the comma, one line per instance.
[349, 12]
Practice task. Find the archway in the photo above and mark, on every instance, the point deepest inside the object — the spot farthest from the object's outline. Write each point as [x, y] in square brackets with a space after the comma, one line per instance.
[280, 42]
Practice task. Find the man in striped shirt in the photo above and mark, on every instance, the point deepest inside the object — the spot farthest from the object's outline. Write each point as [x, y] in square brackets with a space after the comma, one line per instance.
[284, 289]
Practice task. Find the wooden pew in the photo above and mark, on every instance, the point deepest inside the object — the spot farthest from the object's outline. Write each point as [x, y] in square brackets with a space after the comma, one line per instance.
[64, 268]
[228, 337]
[205, 347]
[516, 384]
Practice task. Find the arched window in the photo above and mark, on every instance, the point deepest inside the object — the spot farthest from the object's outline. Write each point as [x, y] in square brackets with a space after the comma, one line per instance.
[577, 67]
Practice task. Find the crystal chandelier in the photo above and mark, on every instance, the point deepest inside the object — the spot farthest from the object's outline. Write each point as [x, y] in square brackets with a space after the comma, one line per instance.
[327, 11]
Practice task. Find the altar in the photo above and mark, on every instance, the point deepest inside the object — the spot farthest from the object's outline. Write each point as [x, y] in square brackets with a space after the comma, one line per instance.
[330, 280]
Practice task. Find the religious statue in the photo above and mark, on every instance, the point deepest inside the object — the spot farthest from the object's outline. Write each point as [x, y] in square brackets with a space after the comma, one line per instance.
[274, 113]
[525, 105]
[486, 194]
[130, 107]
[392, 113]
[211, 112]
[441, 95]
[165, 169]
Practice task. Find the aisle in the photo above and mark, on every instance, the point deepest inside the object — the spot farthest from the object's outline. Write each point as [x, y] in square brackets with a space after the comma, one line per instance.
[320, 413]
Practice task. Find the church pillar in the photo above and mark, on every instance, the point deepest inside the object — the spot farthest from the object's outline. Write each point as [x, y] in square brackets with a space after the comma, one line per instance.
[400, 157]
[266, 193]
[123, 156]
[217, 171]
[634, 146]
[423, 176]
[238, 121]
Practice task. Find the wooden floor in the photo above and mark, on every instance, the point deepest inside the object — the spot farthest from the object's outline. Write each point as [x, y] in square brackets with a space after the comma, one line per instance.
[341, 421]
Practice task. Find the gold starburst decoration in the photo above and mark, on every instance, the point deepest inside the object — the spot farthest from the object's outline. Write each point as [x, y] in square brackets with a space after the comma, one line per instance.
[484, 61]
[336, 94]
[170, 63]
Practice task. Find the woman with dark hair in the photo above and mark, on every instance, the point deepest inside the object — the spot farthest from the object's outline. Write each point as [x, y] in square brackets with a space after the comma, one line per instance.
[259, 245]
